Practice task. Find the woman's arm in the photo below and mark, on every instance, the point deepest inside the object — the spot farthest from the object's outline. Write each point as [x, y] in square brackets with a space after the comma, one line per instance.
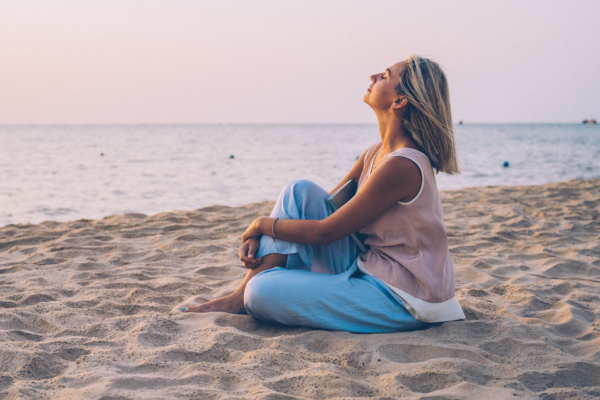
[396, 179]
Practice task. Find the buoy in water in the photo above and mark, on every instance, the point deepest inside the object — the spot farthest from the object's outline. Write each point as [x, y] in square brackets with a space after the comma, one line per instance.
[505, 164]
[231, 156]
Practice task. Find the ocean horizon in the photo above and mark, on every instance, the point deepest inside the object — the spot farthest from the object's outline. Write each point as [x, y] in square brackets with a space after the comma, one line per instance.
[67, 172]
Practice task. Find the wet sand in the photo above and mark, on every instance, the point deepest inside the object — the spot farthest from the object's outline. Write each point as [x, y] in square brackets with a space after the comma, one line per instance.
[89, 309]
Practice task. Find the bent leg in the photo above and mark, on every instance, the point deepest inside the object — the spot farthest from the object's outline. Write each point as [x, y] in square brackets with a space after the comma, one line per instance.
[349, 301]
[304, 199]
[299, 200]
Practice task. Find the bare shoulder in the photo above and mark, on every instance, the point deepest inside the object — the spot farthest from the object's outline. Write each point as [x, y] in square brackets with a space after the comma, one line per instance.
[401, 167]
[401, 175]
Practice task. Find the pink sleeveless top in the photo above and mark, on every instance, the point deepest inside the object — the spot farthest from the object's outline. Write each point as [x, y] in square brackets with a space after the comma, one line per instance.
[409, 247]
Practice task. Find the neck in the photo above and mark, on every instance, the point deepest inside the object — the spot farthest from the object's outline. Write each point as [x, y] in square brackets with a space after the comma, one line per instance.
[392, 132]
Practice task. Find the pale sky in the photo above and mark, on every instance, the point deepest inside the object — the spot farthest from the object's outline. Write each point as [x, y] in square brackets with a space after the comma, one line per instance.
[244, 61]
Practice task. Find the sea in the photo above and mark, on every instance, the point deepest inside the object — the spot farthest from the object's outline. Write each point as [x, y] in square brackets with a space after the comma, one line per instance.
[65, 173]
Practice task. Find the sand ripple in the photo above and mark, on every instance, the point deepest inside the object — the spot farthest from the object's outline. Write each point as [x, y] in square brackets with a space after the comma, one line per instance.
[88, 309]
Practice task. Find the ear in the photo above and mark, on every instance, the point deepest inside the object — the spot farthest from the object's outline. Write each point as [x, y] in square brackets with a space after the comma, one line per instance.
[399, 102]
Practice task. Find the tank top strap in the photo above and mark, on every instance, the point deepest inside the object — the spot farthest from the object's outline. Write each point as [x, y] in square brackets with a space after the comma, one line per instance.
[422, 162]
[369, 152]
[415, 156]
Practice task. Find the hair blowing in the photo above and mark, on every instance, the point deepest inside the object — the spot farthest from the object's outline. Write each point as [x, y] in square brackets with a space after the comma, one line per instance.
[428, 118]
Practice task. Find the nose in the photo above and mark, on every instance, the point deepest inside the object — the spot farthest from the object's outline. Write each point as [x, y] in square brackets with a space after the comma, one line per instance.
[373, 78]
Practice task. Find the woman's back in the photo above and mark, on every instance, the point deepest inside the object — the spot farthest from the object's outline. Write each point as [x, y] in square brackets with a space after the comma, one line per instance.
[409, 247]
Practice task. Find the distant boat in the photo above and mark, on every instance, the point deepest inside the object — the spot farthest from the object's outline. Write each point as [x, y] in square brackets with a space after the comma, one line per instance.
[460, 122]
[589, 122]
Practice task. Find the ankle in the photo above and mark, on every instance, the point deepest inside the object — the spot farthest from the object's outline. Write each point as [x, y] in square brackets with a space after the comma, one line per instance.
[239, 293]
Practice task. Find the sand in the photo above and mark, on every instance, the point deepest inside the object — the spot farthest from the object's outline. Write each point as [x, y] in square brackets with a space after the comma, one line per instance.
[89, 309]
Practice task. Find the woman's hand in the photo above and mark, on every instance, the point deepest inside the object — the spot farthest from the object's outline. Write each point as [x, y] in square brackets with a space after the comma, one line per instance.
[247, 252]
[256, 228]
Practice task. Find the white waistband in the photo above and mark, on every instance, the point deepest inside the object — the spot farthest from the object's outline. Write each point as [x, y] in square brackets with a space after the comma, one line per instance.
[422, 310]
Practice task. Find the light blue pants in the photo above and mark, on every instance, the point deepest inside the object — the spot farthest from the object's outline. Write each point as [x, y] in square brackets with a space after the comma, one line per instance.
[321, 286]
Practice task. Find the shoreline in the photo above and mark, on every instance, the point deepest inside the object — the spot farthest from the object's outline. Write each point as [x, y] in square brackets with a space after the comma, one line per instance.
[89, 309]
[210, 207]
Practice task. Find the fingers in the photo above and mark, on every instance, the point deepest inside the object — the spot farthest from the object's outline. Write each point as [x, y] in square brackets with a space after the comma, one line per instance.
[243, 251]
[250, 260]
[253, 247]
[253, 265]
[247, 253]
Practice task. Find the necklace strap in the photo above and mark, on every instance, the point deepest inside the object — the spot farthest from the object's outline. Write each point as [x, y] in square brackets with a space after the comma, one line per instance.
[395, 143]
[380, 150]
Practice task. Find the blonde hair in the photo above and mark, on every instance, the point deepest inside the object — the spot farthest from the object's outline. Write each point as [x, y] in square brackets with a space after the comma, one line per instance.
[428, 118]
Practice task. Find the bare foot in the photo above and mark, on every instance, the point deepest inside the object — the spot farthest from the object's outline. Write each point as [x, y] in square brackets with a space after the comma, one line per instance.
[234, 304]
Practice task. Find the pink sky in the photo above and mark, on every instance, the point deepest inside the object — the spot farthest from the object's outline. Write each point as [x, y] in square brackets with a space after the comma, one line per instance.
[240, 61]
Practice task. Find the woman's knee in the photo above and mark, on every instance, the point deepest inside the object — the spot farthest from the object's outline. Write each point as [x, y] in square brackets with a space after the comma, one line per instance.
[304, 192]
[257, 294]
[303, 187]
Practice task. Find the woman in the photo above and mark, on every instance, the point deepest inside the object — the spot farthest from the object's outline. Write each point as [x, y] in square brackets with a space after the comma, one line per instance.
[305, 270]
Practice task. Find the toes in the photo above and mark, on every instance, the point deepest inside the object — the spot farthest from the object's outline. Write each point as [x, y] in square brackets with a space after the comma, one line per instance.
[190, 309]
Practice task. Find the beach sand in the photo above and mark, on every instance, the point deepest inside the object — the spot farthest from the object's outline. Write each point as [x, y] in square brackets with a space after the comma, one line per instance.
[89, 309]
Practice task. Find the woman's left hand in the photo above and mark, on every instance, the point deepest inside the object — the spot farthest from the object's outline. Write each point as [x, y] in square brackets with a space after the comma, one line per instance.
[247, 251]
[256, 228]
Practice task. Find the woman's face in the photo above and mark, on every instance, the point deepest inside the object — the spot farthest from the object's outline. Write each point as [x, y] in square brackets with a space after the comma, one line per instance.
[381, 94]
